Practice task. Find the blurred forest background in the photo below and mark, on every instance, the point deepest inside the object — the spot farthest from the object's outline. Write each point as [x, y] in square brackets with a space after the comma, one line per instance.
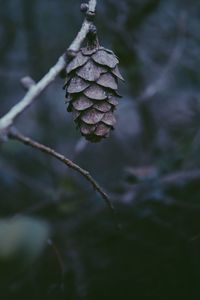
[57, 238]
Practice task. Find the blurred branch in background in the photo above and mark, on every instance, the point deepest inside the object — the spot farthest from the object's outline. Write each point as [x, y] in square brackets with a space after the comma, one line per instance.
[155, 87]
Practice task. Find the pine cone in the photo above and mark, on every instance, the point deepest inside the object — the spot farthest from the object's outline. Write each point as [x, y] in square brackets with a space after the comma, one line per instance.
[91, 89]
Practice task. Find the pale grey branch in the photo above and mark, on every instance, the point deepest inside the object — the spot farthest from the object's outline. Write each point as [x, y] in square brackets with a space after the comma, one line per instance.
[27, 82]
[75, 45]
[92, 6]
[35, 90]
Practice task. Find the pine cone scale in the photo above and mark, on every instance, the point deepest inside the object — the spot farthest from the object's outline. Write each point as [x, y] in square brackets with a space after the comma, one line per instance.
[95, 92]
[107, 80]
[109, 119]
[82, 103]
[87, 51]
[113, 101]
[87, 129]
[78, 61]
[77, 85]
[103, 106]
[106, 59]
[90, 71]
[102, 130]
[92, 117]
[117, 73]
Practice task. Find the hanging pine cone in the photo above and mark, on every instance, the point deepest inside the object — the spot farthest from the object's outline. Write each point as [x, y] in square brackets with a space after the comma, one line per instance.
[91, 89]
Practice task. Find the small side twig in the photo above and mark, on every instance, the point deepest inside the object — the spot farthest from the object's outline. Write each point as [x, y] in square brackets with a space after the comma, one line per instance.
[27, 82]
[7, 120]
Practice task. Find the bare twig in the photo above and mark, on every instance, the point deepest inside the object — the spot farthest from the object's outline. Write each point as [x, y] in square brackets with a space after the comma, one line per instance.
[27, 82]
[85, 28]
[7, 120]
[13, 134]
[76, 44]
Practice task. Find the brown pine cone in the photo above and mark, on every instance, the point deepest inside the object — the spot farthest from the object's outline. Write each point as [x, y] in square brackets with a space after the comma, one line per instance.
[91, 89]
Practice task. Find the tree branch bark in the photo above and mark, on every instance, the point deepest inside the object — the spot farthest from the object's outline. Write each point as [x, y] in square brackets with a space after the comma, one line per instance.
[7, 120]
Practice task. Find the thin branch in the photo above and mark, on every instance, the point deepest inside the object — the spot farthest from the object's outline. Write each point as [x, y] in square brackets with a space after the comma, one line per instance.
[7, 120]
[76, 44]
[92, 6]
[13, 134]
[27, 82]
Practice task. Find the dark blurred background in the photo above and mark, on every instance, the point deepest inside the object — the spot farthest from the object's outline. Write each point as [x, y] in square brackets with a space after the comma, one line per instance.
[57, 237]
